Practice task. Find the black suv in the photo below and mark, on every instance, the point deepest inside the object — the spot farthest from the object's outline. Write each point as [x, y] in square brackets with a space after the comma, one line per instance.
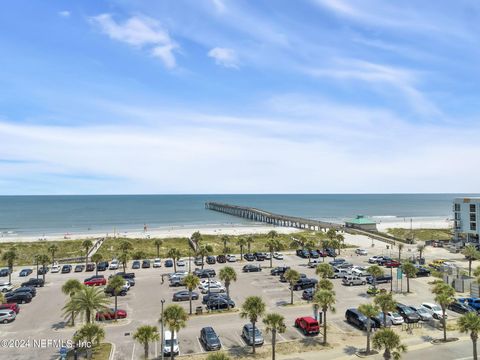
[102, 266]
[308, 294]
[18, 298]
[221, 259]
[356, 318]
[279, 270]
[90, 267]
[209, 339]
[218, 303]
[305, 283]
[145, 264]
[259, 256]
[124, 275]
[211, 260]
[34, 282]
[204, 273]
[43, 270]
[282, 277]
[28, 289]
[249, 257]
[5, 272]
[251, 268]
[110, 291]
[409, 316]
[422, 271]
[66, 269]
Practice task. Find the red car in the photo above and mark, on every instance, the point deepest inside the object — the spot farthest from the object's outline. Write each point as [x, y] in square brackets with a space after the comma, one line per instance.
[11, 306]
[308, 325]
[109, 314]
[95, 281]
[392, 264]
[322, 253]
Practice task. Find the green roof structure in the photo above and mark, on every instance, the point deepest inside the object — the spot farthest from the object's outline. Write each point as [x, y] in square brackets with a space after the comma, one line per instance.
[361, 220]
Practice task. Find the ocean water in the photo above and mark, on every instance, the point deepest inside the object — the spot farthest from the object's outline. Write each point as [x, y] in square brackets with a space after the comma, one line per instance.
[32, 215]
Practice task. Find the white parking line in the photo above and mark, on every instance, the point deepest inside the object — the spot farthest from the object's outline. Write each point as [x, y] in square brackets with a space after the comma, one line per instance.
[281, 337]
[200, 345]
[156, 349]
[133, 351]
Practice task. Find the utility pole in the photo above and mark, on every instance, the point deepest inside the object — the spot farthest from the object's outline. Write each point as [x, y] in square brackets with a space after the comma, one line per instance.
[162, 331]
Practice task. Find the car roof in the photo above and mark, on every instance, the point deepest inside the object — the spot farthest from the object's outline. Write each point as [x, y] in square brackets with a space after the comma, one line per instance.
[168, 335]
[309, 319]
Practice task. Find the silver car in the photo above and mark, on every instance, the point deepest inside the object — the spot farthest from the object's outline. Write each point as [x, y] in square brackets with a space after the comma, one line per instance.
[247, 334]
[423, 313]
[7, 316]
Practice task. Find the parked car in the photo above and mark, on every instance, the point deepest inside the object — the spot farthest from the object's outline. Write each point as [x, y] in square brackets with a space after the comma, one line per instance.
[55, 268]
[395, 317]
[337, 262]
[24, 289]
[114, 264]
[213, 288]
[102, 266]
[170, 346]
[422, 271]
[392, 264]
[220, 303]
[125, 275]
[260, 256]
[209, 339]
[305, 283]
[339, 273]
[177, 281]
[313, 263]
[11, 306]
[314, 254]
[34, 282]
[198, 261]
[231, 258]
[322, 253]
[5, 272]
[90, 267]
[168, 263]
[379, 280]
[380, 321]
[66, 269]
[181, 263]
[374, 259]
[249, 257]
[307, 294]
[473, 302]
[7, 316]
[25, 272]
[331, 252]
[96, 280]
[221, 259]
[308, 325]
[278, 256]
[460, 307]
[383, 259]
[356, 318]
[157, 263]
[109, 314]
[249, 336]
[351, 280]
[423, 313]
[6, 287]
[434, 309]
[18, 298]
[79, 268]
[210, 260]
[145, 264]
[184, 295]
[251, 268]
[408, 315]
[361, 251]
[279, 270]
[111, 291]
[204, 273]
[282, 277]
[208, 297]
[43, 270]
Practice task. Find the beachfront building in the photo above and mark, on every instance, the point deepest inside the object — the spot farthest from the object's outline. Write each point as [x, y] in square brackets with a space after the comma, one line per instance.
[362, 222]
[466, 212]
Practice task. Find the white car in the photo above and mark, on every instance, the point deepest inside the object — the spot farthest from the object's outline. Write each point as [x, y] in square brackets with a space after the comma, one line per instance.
[359, 272]
[168, 346]
[374, 259]
[113, 265]
[127, 285]
[278, 256]
[204, 283]
[181, 263]
[395, 318]
[177, 274]
[434, 310]
[157, 263]
[6, 287]
[268, 255]
[7, 315]
[313, 263]
[361, 252]
[55, 268]
[213, 289]
[231, 258]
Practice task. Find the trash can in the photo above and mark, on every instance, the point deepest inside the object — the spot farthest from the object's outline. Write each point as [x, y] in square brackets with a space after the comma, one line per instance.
[199, 310]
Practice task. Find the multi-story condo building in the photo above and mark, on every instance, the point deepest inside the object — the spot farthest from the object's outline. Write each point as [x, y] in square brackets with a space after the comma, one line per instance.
[466, 215]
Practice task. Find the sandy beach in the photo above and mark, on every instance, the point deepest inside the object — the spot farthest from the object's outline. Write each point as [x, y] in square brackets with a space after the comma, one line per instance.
[416, 223]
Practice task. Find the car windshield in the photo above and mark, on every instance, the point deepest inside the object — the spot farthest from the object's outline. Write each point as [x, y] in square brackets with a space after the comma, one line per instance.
[408, 311]
[395, 314]
[436, 308]
[257, 332]
[211, 336]
[422, 311]
[169, 341]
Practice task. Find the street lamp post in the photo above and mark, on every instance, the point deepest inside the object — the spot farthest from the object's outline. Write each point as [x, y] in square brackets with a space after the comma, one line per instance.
[162, 331]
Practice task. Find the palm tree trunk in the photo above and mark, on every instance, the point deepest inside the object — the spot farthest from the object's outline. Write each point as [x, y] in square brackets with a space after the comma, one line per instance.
[369, 327]
[227, 285]
[274, 342]
[253, 336]
[86, 256]
[271, 258]
[324, 327]
[190, 298]
[116, 304]
[37, 270]
[384, 319]
[408, 284]
[474, 342]
[174, 265]
[87, 315]
[241, 252]
[291, 294]
[444, 325]
[43, 275]
[73, 318]
[171, 345]
[158, 251]
[146, 349]
[470, 267]
[386, 354]
[10, 275]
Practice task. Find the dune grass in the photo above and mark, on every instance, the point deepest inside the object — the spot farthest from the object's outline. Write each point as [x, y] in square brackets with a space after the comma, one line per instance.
[422, 234]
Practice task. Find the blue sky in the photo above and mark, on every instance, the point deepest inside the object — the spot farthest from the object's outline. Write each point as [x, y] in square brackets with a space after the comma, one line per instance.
[220, 96]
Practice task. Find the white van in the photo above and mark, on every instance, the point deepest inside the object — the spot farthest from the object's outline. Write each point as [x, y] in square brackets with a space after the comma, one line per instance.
[168, 345]
[313, 263]
[7, 315]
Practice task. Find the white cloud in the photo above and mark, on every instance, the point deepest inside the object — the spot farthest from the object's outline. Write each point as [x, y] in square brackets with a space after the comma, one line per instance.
[64, 13]
[140, 32]
[219, 5]
[224, 56]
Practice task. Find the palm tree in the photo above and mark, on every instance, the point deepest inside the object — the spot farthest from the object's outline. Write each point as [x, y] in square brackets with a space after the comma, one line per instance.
[444, 297]
[249, 240]
[410, 271]
[86, 301]
[292, 276]
[325, 284]
[158, 243]
[341, 240]
[227, 275]
[421, 250]
[87, 244]
[324, 270]
[325, 300]
[123, 258]
[203, 251]
[218, 356]
[298, 242]
[331, 234]
[2, 298]
[52, 249]
[191, 282]
[175, 318]
[10, 256]
[116, 283]
[242, 242]
[309, 246]
[386, 303]
[272, 245]
[470, 322]
[375, 271]
[89, 333]
[369, 310]
[387, 339]
[225, 240]
[125, 246]
[275, 323]
[335, 244]
[252, 309]
[43, 260]
[471, 253]
[70, 288]
[96, 258]
[175, 255]
[400, 248]
[145, 335]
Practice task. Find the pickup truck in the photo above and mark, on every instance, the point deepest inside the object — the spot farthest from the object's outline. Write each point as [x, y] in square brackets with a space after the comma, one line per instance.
[472, 302]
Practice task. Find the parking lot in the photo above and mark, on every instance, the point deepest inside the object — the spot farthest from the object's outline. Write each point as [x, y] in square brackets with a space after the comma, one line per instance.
[42, 319]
